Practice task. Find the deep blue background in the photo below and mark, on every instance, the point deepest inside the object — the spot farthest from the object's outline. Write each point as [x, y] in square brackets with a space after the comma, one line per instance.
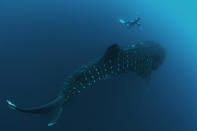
[43, 41]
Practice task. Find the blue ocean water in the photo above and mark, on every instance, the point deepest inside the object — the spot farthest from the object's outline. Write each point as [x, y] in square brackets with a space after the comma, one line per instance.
[44, 41]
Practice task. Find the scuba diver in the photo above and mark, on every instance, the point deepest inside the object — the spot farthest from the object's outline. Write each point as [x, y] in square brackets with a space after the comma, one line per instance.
[130, 24]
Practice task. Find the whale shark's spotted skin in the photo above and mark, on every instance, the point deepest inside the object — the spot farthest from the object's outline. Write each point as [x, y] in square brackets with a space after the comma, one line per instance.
[140, 58]
[114, 62]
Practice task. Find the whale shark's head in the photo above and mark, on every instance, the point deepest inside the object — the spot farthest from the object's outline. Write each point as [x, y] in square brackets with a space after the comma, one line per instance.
[156, 52]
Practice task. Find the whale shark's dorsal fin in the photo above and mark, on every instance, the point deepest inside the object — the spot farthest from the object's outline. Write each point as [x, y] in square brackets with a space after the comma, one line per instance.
[112, 52]
[52, 109]
[113, 49]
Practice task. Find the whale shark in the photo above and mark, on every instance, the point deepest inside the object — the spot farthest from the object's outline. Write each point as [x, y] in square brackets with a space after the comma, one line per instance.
[142, 58]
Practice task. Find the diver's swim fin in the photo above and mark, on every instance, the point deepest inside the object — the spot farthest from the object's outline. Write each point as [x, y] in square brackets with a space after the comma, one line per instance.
[122, 21]
[53, 109]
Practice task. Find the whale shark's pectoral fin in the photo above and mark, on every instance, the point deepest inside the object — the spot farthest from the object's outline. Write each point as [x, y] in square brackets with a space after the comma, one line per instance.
[145, 74]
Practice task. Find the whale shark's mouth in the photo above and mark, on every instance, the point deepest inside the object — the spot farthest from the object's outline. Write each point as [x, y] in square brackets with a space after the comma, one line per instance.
[157, 52]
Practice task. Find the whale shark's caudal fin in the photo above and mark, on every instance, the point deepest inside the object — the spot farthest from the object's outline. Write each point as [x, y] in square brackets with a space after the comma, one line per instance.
[52, 109]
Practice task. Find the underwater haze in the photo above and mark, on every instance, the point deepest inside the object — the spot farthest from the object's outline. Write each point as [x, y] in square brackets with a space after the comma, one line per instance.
[44, 41]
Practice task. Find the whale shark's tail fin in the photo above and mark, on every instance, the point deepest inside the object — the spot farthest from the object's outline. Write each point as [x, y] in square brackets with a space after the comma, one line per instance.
[52, 109]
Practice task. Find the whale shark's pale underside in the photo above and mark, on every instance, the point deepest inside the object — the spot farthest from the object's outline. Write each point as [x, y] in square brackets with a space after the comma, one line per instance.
[142, 58]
